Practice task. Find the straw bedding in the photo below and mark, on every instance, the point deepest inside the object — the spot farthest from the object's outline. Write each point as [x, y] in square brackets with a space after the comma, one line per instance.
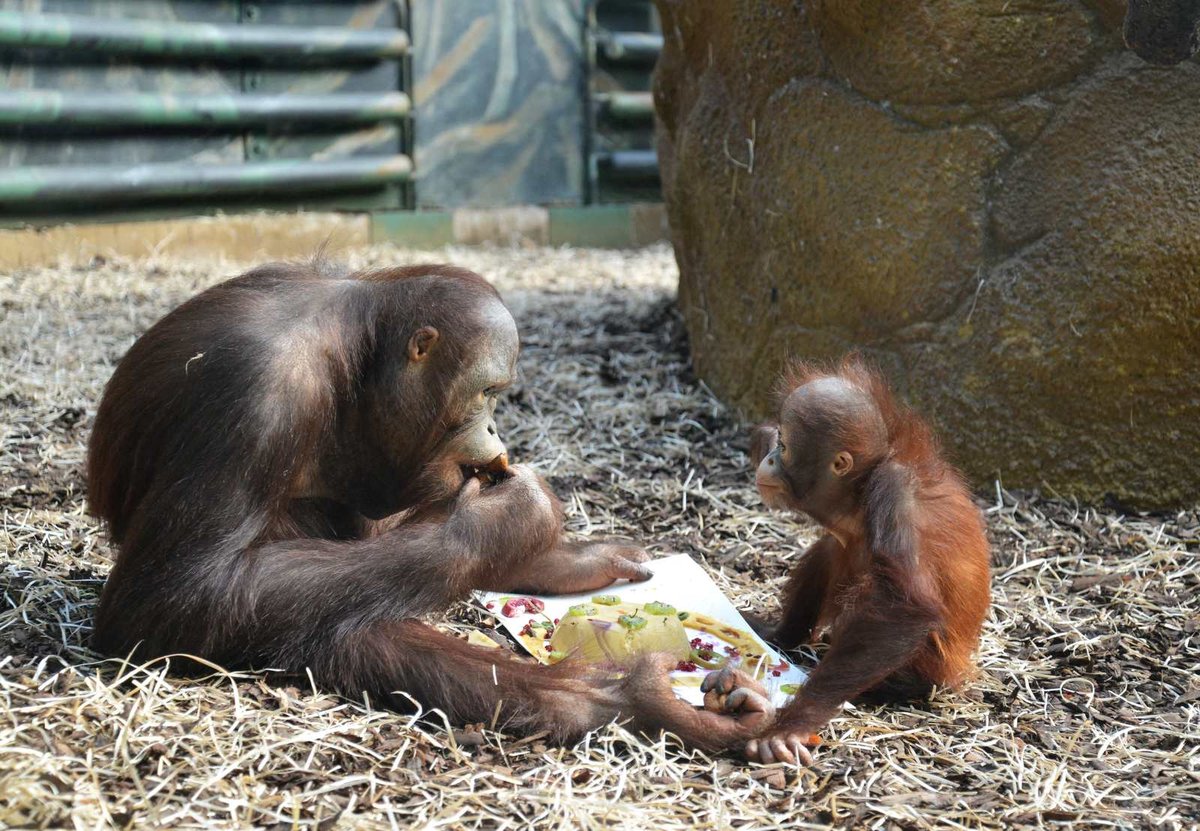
[1086, 711]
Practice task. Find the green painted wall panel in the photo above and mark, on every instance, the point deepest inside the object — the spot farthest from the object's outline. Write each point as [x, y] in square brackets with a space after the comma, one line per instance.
[413, 229]
[216, 141]
[40, 69]
[498, 91]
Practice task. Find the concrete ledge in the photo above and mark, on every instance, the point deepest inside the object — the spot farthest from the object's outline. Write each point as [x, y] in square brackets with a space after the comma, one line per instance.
[243, 238]
[267, 236]
[597, 226]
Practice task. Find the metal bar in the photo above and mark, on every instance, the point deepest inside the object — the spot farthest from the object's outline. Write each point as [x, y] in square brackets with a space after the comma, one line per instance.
[627, 106]
[630, 47]
[82, 183]
[199, 40]
[125, 109]
[591, 179]
[629, 164]
[406, 191]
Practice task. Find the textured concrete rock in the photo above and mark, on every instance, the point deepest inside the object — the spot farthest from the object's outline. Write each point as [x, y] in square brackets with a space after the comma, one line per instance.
[1163, 31]
[994, 200]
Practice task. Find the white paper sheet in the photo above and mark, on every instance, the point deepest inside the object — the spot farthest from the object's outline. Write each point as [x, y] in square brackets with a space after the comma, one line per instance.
[683, 584]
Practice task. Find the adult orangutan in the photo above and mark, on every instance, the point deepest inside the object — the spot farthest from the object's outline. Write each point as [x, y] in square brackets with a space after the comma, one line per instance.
[290, 465]
[898, 585]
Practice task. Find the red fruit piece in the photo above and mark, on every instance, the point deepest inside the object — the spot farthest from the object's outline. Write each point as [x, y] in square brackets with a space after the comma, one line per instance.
[515, 605]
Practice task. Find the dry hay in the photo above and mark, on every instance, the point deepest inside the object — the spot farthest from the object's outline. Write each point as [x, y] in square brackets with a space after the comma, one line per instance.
[1085, 713]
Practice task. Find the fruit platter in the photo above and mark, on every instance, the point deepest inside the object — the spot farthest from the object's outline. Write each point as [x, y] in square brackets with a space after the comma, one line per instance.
[679, 611]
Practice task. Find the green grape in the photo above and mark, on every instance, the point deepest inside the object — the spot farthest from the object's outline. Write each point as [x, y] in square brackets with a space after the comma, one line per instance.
[632, 622]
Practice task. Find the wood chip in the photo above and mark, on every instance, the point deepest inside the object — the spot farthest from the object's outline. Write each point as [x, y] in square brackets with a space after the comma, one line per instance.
[1082, 713]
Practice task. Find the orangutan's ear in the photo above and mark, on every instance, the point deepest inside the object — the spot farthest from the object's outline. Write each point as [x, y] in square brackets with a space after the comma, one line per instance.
[843, 463]
[422, 343]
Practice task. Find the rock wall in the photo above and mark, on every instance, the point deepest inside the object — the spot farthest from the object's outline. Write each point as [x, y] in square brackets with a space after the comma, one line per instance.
[1163, 31]
[994, 200]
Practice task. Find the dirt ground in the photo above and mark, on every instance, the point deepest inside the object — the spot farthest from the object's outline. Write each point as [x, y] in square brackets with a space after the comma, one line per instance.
[1085, 713]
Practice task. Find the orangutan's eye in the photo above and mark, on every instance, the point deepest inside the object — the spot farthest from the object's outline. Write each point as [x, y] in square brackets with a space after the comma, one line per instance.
[495, 389]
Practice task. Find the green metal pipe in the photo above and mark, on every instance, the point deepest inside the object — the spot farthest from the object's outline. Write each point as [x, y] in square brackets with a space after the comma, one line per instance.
[169, 38]
[21, 187]
[628, 106]
[141, 109]
[630, 47]
[629, 164]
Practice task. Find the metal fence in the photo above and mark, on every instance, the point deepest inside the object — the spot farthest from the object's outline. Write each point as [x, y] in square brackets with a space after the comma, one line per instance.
[126, 108]
[110, 106]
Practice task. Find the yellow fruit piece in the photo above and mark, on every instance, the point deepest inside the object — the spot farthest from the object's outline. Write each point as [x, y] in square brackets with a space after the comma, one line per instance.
[600, 638]
[480, 639]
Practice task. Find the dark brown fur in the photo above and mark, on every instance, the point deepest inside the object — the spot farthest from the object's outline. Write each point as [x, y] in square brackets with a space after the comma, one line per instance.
[280, 500]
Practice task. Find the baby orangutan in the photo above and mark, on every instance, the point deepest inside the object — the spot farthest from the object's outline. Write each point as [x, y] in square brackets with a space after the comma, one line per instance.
[898, 585]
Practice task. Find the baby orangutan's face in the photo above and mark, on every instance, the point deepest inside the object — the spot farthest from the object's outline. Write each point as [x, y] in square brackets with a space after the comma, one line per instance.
[803, 467]
[784, 475]
[771, 481]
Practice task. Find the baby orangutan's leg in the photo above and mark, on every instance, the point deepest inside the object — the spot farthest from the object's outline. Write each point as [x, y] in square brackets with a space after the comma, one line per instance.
[778, 747]
[762, 625]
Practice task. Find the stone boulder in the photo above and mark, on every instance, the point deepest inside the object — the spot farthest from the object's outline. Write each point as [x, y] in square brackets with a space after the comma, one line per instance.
[995, 201]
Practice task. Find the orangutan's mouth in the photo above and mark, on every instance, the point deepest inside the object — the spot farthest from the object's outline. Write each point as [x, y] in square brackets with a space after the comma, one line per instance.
[772, 495]
[489, 474]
